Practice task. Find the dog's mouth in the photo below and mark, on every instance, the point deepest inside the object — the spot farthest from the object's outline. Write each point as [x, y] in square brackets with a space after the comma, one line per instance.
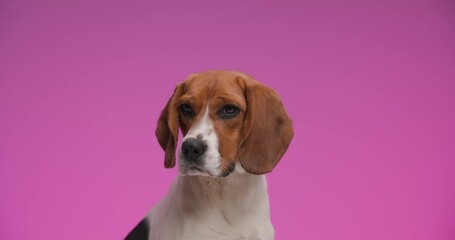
[194, 170]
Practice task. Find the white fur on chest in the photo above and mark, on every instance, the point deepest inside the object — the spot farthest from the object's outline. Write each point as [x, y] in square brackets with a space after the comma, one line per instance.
[234, 207]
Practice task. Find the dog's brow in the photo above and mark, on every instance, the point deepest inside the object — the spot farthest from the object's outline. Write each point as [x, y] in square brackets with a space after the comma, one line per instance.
[186, 98]
[223, 97]
[231, 98]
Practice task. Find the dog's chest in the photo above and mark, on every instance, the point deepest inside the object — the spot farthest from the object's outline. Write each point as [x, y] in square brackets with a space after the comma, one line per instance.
[217, 227]
[237, 214]
[212, 225]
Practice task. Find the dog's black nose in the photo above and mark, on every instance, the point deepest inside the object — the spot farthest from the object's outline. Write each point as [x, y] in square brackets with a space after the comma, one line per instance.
[193, 148]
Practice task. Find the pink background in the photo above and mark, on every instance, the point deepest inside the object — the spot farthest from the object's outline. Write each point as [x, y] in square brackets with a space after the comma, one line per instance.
[369, 84]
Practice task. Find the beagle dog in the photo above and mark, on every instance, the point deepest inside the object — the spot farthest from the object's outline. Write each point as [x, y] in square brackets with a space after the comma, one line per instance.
[234, 131]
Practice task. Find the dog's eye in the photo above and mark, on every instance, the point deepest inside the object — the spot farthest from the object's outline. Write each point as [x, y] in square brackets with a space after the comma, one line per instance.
[228, 111]
[186, 110]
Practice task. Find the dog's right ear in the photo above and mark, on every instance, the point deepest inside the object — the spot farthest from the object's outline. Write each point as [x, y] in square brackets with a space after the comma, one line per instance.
[167, 130]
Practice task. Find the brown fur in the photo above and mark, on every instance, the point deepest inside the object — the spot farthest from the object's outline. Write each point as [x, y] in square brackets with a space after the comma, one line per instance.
[258, 136]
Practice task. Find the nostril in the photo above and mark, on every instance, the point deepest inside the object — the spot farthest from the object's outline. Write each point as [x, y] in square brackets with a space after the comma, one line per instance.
[193, 148]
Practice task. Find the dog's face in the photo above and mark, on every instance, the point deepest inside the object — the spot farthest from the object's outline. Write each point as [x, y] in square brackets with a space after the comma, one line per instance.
[225, 117]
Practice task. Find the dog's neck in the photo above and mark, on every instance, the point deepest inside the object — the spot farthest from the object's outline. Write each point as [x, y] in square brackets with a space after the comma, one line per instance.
[236, 194]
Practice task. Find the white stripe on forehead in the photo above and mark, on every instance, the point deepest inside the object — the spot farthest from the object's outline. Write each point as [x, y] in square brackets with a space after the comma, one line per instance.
[203, 127]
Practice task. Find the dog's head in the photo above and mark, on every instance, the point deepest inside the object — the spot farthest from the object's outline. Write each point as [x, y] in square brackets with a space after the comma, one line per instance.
[226, 117]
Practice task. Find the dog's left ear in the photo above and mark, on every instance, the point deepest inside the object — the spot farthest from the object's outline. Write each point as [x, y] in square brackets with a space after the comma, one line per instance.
[167, 130]
[267, 130]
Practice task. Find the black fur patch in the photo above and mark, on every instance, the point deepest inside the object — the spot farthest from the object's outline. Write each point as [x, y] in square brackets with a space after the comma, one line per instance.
[140, 232]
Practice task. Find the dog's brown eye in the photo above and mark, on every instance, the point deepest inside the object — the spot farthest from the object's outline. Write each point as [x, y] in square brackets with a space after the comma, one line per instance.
[186, 110]
[228, 111]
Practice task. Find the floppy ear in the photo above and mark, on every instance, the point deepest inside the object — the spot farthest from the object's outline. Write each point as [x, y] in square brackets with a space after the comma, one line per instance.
[267, 130]
[167, 130]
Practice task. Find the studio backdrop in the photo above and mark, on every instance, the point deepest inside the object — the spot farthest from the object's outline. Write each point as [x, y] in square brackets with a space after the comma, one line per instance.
[369, 86]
